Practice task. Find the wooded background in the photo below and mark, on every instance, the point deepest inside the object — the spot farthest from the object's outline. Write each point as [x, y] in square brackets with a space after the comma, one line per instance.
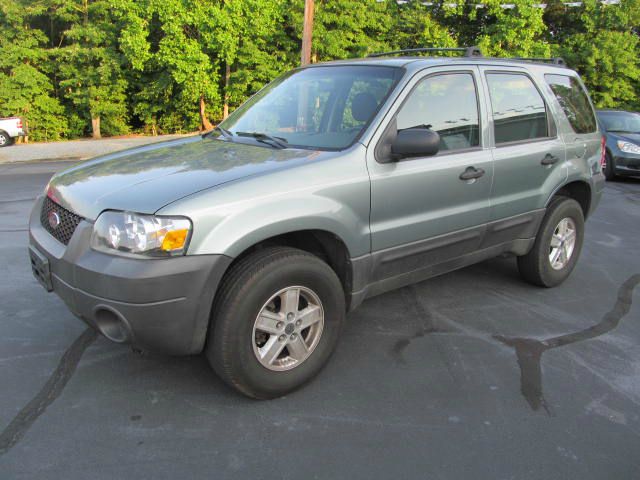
[75, 68]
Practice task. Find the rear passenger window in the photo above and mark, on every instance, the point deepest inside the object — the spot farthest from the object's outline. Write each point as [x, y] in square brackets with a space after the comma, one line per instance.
[574, 102]
[519, 112]
[447, 104]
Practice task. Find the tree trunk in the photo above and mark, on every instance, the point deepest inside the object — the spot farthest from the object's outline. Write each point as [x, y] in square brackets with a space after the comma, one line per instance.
[205, 124]
[95, 127]
[227, 77]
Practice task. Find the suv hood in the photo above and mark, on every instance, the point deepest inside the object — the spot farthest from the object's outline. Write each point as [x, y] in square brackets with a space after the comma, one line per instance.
[145, 179]
[626, 137]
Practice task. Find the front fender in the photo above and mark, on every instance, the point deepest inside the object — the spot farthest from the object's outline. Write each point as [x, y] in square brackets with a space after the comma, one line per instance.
[331, 195]
[246, 227]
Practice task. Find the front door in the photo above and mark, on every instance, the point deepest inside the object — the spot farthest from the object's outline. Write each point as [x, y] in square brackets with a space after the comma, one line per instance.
[426, 210]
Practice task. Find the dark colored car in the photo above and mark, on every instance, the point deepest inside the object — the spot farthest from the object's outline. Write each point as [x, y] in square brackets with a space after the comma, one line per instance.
[622, 131]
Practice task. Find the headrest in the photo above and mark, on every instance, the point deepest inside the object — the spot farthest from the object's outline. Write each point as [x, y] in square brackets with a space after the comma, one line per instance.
[363, 106]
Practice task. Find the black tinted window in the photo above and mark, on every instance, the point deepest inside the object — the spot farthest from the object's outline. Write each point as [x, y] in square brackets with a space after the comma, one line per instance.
[519, 112]
[574, 102]
[448, 105]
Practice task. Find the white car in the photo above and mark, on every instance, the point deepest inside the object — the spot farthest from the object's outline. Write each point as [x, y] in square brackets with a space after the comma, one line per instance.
[10, 128]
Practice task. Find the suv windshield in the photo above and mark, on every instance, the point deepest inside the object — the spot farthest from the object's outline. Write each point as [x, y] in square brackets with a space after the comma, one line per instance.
[325, 108]
[621, 122]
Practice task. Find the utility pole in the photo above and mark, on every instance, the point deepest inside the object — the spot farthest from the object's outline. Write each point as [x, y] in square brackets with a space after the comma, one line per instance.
[307, 33]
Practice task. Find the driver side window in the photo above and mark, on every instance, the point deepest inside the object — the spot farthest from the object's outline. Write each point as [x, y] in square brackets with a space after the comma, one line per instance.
[447, 104]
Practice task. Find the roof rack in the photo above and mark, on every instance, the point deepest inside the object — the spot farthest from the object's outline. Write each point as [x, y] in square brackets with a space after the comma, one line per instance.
[468, 51]
[552, 60]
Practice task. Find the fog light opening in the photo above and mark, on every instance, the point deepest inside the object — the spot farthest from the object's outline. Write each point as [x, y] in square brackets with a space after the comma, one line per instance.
[112, 325]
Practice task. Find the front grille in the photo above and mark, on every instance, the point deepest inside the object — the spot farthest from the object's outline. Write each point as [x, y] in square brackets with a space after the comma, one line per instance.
[68, 221]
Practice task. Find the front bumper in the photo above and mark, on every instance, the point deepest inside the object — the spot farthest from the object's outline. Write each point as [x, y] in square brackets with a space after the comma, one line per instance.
[626, 164]
[158, 304]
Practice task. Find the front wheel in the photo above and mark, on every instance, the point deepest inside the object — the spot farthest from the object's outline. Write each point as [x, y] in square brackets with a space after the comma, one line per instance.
[276, 320]
[557, 245]
[609, 168]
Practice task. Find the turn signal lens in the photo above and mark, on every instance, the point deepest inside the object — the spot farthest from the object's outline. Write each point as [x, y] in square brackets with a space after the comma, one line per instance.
[174, 240]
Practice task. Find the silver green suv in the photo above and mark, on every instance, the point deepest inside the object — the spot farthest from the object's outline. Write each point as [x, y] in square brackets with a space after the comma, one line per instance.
[334, 183]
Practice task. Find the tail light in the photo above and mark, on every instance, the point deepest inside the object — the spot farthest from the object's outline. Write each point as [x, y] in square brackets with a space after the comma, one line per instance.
[20, 123]
[603, 152]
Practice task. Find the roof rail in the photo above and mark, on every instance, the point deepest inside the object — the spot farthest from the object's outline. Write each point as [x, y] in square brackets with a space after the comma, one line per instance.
[468, 51]
[553, 60]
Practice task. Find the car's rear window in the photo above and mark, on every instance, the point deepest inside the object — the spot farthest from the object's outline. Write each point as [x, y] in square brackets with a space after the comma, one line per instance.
[574, 102]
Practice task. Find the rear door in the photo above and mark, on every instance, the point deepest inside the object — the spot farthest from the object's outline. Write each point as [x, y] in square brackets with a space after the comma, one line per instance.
[529, 156]
[422, 212]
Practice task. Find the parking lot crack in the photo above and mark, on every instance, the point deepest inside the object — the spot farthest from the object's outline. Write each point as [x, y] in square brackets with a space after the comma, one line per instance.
[529, 350]
[51, 390]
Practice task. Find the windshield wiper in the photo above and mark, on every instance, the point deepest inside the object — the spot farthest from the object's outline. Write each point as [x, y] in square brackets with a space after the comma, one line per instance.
[427, 127]
[225, 133]
[276, 142]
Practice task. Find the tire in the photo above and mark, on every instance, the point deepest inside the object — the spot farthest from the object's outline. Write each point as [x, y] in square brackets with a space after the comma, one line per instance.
[609, 169]
[5, 139]
[536, 266]
[252, 287]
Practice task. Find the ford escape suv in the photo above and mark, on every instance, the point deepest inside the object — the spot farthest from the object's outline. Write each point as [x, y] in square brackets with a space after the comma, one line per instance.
[334, 183]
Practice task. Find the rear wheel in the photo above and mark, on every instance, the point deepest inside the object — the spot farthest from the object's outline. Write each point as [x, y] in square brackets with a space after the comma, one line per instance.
[5, 139]
[276, 321]
[609, 168]
[557, 245]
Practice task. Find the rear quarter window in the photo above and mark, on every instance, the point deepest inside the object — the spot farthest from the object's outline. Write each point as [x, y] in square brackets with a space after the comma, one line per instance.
[574, 102]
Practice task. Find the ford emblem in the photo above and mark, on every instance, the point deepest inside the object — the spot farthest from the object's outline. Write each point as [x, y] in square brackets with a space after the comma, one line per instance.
[54, 219]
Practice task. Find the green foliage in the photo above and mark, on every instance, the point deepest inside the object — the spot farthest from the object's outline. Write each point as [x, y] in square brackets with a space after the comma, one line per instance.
[517, 32]
[89, 65]
[162, 66]
[605, 50]
[25, 88]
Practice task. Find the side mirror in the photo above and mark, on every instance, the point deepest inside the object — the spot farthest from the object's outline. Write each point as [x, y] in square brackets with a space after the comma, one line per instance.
[415, 142]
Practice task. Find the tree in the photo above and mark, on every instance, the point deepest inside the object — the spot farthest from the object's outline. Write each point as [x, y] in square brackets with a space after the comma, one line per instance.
[173, 47]
[90, 66]
[239, 33]
[605, 50]
[417, 25]
[346, 28]
[25, 87]
[518, 31]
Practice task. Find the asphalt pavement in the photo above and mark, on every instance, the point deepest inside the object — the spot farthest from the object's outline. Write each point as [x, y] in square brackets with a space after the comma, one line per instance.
[474, 374]
[76, 149]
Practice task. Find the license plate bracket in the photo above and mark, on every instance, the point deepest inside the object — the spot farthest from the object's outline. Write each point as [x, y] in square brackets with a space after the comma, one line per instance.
[40, 268]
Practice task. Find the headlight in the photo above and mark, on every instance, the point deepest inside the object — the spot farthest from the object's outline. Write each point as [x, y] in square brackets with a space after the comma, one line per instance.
[629, 147]
[141, 234]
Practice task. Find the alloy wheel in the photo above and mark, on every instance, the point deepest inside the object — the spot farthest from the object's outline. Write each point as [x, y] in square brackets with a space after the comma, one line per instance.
[563, 242]
[288, 328]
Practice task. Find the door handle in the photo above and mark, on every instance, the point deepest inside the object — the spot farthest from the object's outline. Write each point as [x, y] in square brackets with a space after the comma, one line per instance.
[549, 159]
[471, 173]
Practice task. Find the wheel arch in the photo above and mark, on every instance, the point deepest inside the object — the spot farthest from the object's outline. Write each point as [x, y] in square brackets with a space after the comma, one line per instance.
[324, 244]
[579, 190]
